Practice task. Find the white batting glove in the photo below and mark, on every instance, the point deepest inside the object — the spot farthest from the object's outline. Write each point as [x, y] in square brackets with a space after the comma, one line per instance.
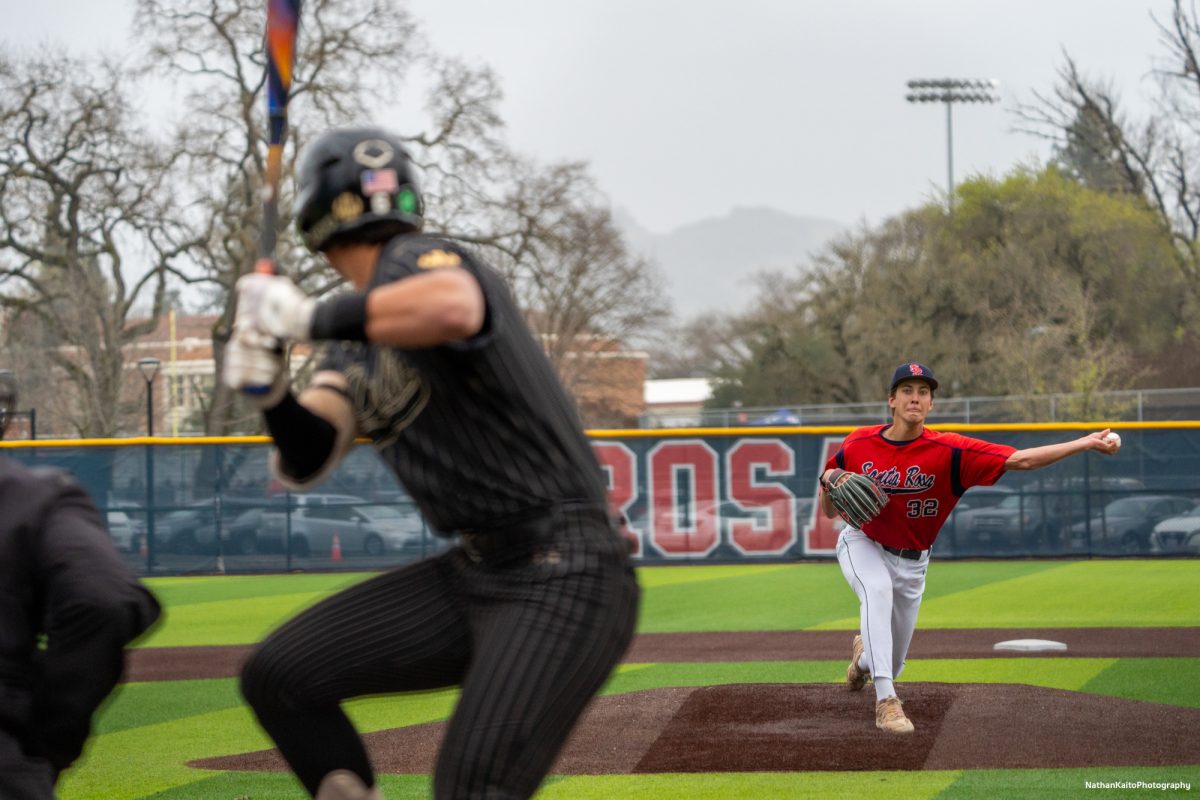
[273, 305]
[254, 366]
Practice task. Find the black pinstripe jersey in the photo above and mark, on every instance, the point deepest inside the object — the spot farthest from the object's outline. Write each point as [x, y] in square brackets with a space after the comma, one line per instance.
[476, 430]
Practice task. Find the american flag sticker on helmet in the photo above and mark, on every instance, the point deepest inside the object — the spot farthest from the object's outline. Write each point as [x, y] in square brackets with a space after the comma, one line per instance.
[380, 181]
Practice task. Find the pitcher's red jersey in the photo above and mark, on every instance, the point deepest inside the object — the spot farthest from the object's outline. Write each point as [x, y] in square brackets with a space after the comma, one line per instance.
[925, 478]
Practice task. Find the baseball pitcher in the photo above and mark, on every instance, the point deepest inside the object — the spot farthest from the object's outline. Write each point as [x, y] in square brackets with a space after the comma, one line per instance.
[894, 485]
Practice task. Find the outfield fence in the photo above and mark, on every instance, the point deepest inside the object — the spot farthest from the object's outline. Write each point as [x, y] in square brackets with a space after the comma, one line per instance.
[209, 505]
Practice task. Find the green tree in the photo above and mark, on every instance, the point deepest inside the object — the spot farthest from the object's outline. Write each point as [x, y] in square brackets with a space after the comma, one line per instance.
[1035, 284]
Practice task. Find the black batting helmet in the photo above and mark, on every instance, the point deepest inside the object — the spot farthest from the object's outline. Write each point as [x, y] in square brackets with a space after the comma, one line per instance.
[8, 398]
[355, 185]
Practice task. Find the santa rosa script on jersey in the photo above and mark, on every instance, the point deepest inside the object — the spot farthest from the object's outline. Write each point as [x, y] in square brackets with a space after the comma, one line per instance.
[911, 481]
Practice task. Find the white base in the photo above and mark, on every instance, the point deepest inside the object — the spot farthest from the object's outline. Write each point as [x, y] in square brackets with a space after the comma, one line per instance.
[1030, 645]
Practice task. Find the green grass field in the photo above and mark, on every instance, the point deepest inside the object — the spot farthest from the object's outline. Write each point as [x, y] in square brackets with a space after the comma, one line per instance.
[147, 732]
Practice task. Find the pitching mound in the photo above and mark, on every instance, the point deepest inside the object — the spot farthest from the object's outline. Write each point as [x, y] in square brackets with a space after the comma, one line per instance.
[816, 727]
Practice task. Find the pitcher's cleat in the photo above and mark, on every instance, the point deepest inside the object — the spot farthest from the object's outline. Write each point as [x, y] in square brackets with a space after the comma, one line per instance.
[856, 677]
[889, 716]
[342, 784]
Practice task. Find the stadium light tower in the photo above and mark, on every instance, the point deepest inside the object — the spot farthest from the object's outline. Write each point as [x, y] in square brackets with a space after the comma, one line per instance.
[951, 91]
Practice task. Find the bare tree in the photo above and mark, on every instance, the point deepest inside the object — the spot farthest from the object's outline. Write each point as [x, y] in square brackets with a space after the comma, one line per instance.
[701, 347]
[352, 64]
[213, 54]
[87, 236]
[587, 296]
[1155, 158]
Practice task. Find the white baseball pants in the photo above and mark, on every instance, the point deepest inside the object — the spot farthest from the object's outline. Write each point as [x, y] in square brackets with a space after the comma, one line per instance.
[889, 590]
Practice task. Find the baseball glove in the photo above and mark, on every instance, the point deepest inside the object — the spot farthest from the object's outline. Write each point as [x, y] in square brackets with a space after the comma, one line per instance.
[857, 498]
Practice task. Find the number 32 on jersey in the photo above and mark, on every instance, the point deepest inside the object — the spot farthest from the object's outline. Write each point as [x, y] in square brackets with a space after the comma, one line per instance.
[921, 508]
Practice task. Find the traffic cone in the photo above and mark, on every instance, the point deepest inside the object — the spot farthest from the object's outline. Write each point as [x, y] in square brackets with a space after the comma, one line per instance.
[335, 550]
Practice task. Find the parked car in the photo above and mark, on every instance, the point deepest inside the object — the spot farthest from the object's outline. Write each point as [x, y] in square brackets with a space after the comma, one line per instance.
[955, 535]
[783, 416]
[1179, 534]
[1018, 523]
[1124, 525]
[361, 527]
[193, 529]
[1037, 518]
[124, 533]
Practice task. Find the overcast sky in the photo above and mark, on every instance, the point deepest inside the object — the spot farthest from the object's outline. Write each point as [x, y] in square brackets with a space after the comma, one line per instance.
[687, 108]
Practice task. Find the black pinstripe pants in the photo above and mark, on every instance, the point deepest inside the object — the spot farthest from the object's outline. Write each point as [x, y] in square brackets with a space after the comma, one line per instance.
[530, 635]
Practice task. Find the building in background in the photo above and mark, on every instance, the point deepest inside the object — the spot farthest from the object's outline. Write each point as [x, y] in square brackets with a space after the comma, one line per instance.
[606, 381]
[676, 402]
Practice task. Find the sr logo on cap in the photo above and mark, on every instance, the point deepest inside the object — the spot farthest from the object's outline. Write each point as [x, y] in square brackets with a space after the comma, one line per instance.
[912, 370]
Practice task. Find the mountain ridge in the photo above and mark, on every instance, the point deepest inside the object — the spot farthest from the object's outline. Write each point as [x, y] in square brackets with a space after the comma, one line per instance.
[709, 263]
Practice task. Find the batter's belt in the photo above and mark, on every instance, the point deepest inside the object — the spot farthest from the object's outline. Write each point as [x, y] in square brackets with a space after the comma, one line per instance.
[522, 536]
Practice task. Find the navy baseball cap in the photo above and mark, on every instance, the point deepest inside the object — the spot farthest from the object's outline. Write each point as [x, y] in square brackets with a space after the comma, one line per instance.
[911, 370]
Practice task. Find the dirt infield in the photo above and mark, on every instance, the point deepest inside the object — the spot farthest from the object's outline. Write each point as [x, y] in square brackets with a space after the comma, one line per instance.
[188, 663]
[818, 727]
[803, 727]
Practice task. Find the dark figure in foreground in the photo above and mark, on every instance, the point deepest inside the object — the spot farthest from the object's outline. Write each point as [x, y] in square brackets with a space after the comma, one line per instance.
[431, 359]
[63, 582]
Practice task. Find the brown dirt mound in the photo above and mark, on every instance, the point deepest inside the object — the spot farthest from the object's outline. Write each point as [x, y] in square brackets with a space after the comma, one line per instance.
[189, 663]
[818, 727]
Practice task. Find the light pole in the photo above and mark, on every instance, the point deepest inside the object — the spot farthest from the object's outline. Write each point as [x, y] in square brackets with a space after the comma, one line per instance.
[951, 91]
[149, 369]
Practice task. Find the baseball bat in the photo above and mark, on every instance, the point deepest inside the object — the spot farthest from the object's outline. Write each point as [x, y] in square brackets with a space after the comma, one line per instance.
[283, 22]
[283, 18]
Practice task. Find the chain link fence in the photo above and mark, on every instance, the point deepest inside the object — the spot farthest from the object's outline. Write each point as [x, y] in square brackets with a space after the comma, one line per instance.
[1147, 405]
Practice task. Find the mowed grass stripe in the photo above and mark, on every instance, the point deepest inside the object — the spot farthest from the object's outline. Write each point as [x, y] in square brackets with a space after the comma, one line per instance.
[186, 590]
[135, 705]
[138, 762]
[987, 784]
[802, 596]
[924, 785]
[238, 621]
[1158, 680]
[652, 578]
[950, 577]
[726, 785]
[742, 599]
[283, 786]
[1053, 673]
[1083, 594]
[787, 597]
[1077, 594]
[755, 597]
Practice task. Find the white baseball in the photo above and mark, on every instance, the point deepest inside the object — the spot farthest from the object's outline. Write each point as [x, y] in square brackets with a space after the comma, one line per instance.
[1113, 437]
